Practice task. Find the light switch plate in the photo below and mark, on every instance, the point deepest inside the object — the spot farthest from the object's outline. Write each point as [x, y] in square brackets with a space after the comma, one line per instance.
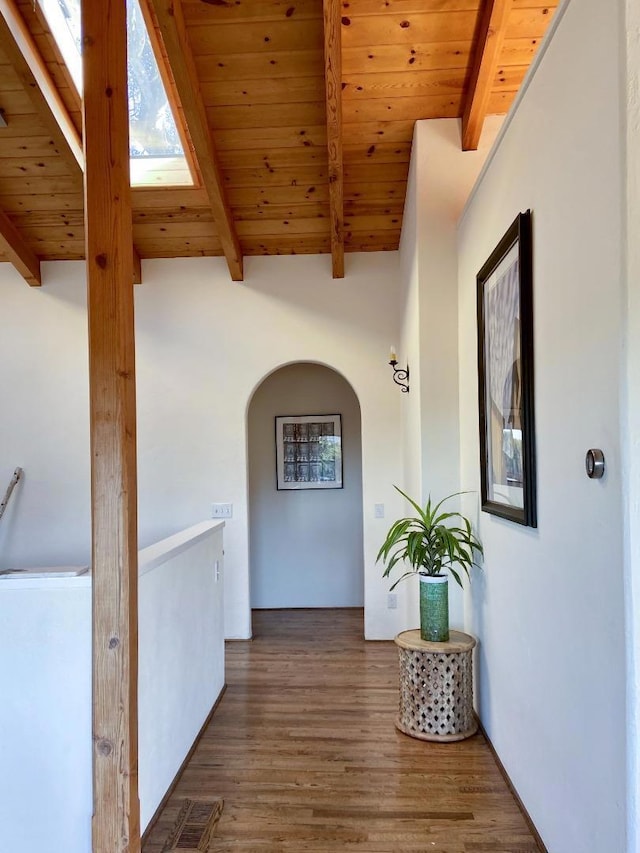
[221, 510]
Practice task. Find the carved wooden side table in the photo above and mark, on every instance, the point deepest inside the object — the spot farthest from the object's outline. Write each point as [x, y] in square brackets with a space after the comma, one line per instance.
[436, 687]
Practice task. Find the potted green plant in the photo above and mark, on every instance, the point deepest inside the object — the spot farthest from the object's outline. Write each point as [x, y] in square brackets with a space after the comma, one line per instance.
[432, 542]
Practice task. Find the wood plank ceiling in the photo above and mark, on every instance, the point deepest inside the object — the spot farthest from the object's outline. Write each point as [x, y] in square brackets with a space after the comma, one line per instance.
[254, 81]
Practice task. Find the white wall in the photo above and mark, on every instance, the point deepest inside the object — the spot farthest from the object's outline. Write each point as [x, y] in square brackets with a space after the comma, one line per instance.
[305, 545]
[203, 345]
[44, 425]
[441, 177]
[45, 718]
[631, 422]
[549, 610]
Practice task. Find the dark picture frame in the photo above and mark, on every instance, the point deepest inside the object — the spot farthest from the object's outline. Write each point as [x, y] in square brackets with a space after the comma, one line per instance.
[505, 377]
[308, 452]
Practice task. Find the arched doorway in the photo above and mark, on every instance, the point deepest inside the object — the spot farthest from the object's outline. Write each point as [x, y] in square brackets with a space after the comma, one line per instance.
[305, 544]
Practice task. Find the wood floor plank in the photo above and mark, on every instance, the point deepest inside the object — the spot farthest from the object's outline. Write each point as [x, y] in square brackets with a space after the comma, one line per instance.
[304, 752]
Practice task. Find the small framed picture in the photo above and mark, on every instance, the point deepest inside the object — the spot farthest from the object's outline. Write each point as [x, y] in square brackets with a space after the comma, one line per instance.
[309, 452]
[505, 377]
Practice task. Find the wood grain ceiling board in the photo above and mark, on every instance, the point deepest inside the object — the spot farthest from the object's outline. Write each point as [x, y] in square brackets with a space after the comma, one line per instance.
[21, 202]
[401, 62]
[259, 197]
[292, 64]
[378, 153]
[390, 58]
[313, 244]
[216, 38]
[406, 28]
[403, 84]
[69, 250]
[410, 60]
[271, 138]
[253, 11]
[261, 71]
[37, 186]
[176, 225]
[32, 172]
[36, 219]
[274, 158]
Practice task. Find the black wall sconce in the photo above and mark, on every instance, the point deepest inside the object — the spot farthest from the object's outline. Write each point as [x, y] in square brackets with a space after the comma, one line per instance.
[400, 376]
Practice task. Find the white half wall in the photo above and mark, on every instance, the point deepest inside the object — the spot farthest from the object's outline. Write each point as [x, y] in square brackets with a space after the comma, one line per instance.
[305, 545]
[203, 345]
[45, 715]
[549, 608]
[45, 671]
[180, 652]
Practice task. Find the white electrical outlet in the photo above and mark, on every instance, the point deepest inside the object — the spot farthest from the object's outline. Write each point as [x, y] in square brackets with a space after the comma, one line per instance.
[221, 510]
[378, 511]
[392, 601]
[217, 570]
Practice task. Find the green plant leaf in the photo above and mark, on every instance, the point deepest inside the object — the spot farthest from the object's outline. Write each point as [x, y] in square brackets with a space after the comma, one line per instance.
[431, 542]
[401, 578]
[457, 577]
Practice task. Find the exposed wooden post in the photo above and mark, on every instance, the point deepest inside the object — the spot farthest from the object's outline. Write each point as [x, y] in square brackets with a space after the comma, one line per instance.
[333, 87]
[116, 818]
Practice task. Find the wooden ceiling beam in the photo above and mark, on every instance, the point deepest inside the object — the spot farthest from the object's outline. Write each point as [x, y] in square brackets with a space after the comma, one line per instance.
[21, 50]
[17, 42]
[333, 88]
[176, 43]
[18, 252]
[490, 38]
[137, 267]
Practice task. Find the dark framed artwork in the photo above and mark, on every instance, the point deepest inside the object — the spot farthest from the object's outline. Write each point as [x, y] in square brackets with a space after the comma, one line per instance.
[505, 377]
[309, 452]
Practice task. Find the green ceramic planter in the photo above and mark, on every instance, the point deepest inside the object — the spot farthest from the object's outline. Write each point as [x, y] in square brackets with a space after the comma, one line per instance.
[434, 608]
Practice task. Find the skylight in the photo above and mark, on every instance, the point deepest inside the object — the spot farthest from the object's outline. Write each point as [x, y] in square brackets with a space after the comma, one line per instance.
[155, 148]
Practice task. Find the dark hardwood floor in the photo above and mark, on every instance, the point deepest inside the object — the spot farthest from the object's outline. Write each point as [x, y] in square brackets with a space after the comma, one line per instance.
[304, 751]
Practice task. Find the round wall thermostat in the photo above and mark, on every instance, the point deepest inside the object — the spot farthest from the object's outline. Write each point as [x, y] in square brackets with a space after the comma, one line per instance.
[594, 463]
